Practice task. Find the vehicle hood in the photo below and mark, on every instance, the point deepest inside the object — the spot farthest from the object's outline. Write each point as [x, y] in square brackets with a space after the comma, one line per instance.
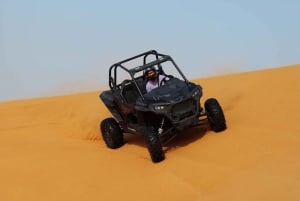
[174, 90]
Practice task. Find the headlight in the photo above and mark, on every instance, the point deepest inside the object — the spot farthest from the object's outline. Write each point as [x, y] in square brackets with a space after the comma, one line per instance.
[159, 107]
[196, 92]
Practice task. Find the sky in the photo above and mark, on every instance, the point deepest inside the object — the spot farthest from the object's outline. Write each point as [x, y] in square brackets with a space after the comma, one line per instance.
[55, 47]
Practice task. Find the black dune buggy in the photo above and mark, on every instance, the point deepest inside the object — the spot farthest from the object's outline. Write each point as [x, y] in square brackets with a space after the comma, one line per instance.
[160, 114]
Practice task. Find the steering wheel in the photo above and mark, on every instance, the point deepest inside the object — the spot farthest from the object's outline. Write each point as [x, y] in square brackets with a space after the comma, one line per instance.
[166, 79]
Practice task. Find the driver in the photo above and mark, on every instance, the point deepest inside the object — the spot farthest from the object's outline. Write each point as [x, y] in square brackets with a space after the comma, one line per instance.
[154, 79]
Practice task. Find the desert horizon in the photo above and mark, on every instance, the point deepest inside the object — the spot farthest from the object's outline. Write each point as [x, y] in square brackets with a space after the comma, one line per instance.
[51, 148]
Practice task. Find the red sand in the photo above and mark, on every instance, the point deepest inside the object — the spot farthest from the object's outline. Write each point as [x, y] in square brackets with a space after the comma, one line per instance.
[51, 148]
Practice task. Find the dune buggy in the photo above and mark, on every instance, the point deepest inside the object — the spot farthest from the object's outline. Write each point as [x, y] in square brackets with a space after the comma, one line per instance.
[160, 114]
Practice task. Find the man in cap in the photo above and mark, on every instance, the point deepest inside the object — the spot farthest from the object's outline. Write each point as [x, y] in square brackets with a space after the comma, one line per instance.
[154, 80]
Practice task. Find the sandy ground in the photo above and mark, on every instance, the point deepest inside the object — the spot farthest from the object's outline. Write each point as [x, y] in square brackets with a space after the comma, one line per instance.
[51, 149]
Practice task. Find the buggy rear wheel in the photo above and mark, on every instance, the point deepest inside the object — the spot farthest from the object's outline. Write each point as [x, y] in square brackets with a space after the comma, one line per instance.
[112, 133]
[154, 145]
[215, 115]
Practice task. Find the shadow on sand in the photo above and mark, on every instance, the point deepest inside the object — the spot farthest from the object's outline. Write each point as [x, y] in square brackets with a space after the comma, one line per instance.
[182, 139]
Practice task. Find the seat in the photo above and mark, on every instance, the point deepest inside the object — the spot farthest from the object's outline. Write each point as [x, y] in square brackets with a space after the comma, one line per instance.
[130, 93]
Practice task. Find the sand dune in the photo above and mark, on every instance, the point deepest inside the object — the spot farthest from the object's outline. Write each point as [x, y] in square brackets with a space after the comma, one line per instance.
[50, 148]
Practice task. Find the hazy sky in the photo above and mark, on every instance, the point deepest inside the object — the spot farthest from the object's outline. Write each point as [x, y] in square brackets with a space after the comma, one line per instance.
[53, 47]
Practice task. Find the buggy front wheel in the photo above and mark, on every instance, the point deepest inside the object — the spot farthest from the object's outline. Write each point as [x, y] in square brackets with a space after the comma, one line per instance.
[154, 145]
[112, 133]
[215, 115]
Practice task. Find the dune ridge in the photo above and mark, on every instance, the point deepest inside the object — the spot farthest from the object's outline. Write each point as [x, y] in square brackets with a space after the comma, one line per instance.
[51, 149]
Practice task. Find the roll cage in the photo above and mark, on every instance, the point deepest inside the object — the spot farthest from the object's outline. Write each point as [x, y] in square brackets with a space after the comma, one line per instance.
[159, 59]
